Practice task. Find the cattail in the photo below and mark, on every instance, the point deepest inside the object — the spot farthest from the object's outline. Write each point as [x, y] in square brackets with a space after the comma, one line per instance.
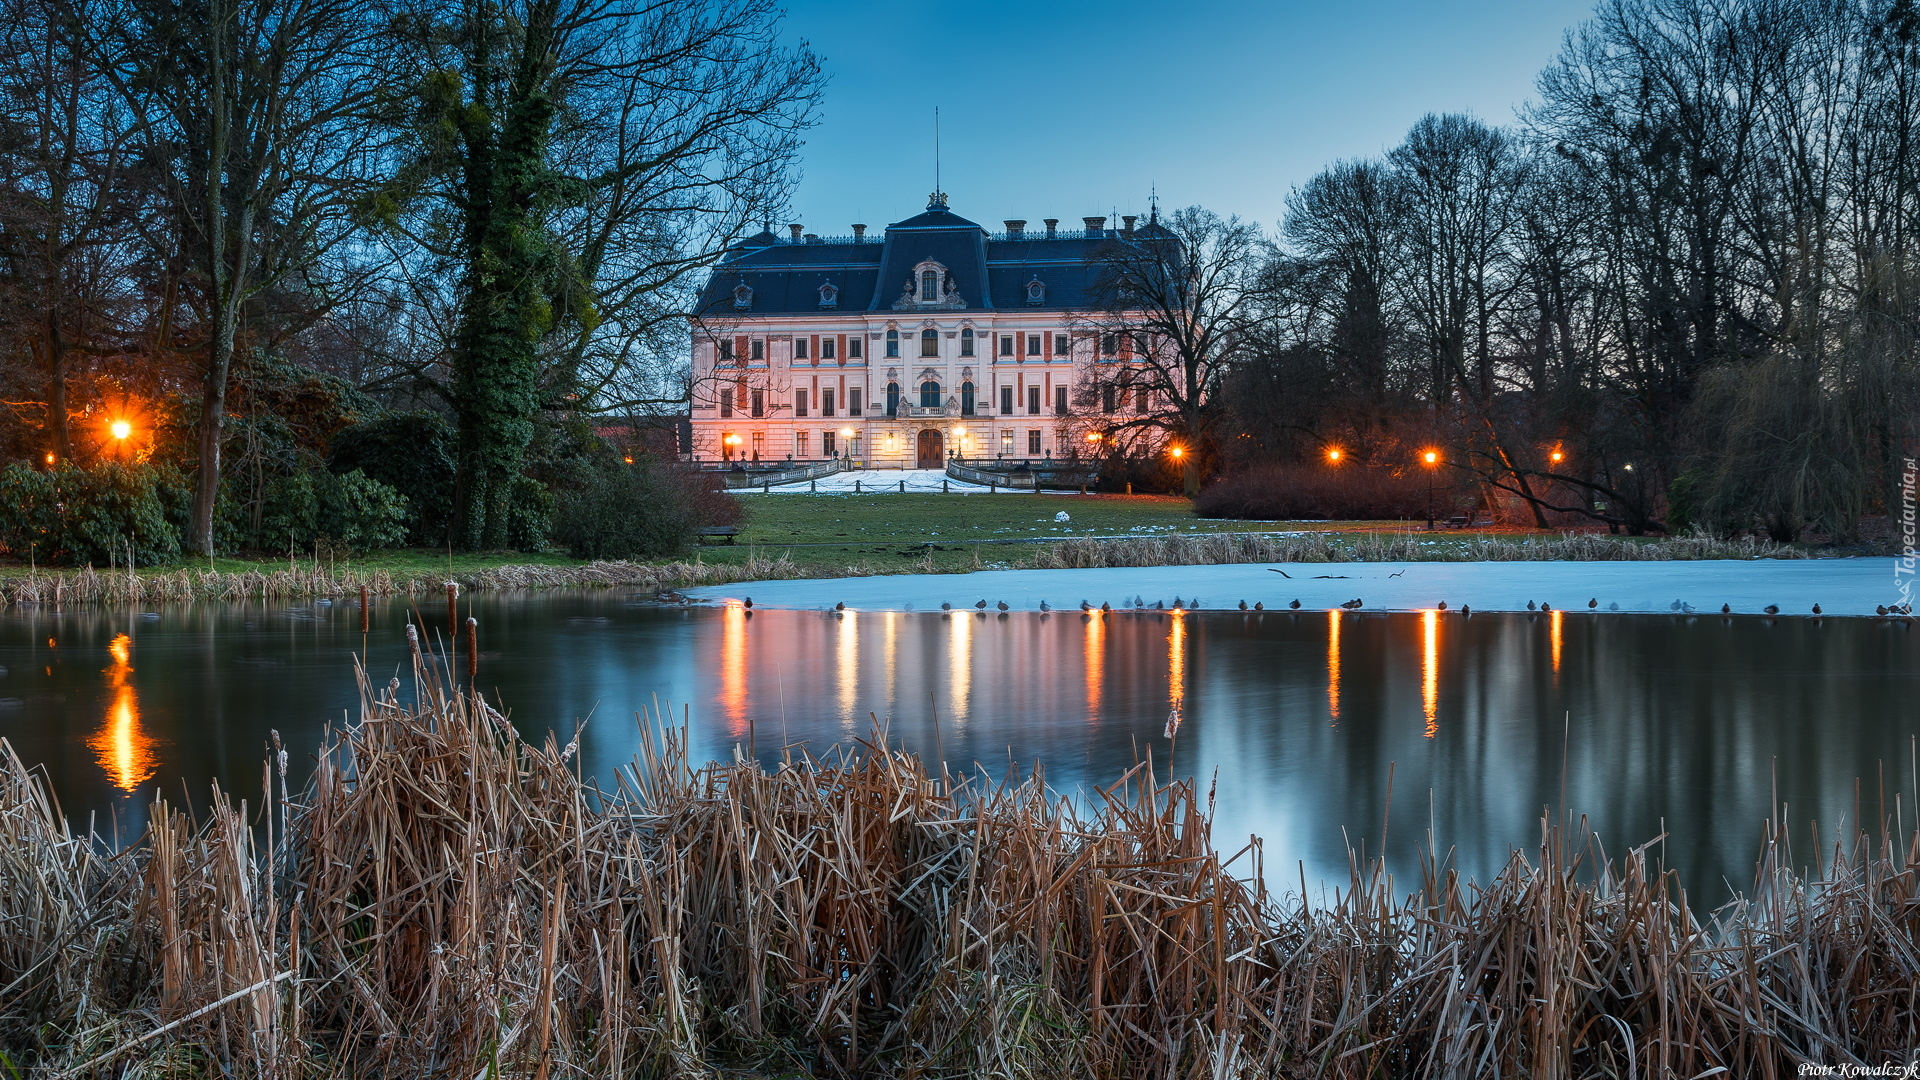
[473, 648]
[363, 609]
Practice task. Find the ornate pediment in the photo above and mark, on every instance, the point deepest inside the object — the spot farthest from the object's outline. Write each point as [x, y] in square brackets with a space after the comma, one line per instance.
[930, 288]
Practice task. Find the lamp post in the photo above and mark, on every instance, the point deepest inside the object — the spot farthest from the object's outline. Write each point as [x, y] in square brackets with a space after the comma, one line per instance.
[1431, 458]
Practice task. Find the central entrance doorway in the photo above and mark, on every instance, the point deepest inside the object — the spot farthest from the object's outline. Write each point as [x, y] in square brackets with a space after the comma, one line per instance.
[932, 450]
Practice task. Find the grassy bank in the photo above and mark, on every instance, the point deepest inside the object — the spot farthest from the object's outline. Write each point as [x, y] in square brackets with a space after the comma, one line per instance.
[445, 900]
[789, 536]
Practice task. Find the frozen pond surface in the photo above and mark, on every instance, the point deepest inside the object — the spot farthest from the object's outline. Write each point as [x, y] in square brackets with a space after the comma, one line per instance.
[1665, 722]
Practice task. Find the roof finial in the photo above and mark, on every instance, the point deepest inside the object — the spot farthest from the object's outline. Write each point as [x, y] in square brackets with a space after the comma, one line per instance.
[937, 200]
[1153, 204]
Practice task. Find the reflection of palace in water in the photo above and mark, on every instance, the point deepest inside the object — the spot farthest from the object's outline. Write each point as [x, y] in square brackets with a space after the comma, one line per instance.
[123, 750]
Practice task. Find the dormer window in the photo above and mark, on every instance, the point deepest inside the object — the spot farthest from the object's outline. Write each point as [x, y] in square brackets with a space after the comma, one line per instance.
[829, 295]
[1036, 291]
[929, 286]
[742, 297]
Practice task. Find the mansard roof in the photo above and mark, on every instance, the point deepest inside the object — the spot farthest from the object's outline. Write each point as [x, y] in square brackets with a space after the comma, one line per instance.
[989, 271]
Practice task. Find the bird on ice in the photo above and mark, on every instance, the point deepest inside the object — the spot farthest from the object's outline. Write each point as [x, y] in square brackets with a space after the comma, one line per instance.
[1295, 605]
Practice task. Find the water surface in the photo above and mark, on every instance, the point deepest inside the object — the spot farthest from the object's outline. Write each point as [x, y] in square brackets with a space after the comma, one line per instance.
[1648, 724]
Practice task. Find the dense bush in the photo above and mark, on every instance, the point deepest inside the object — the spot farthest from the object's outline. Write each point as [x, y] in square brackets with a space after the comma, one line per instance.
[411, 452]
[1277, 492]
[94, 515]
[642, 510]
[350, 510]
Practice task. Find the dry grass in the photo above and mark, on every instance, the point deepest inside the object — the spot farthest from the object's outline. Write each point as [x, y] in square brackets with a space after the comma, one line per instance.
[301, 581]
[1222, 548]
[446, 900]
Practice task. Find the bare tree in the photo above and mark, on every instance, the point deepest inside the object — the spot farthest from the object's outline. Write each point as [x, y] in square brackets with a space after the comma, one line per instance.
[1176, 307]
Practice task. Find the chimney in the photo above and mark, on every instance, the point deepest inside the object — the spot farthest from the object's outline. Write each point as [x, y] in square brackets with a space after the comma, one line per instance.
[813, 238]
[795, 230]
[1126, 224]
[1016, 228]
[859, 233]
[1053, 226]
[1095, 226]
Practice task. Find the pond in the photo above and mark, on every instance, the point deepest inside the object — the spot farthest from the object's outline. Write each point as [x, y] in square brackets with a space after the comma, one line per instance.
[1686, 726]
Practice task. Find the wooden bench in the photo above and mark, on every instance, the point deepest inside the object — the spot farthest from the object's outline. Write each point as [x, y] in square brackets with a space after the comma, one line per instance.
[1459, 521]
[715, 534]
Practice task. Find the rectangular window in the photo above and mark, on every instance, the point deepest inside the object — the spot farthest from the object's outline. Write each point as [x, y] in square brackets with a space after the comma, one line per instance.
[1059, 343]
[726, 403]
[723, 351]
[759, 404]
[799, 403]
[966, 343]
[799, 348]
[1033, 344]
[1033, 401]
[1109, 344]
[1006, 344]
[1060, 401]
[853, 348]
[1033, 442]
[759, 350]
[1006, 442]
[929, 343]
[799, 444]
[826, 402]
[1106, 399]
[1006, 402]
[826, 349]
[759, 443]
[853, 401]
[827, 447]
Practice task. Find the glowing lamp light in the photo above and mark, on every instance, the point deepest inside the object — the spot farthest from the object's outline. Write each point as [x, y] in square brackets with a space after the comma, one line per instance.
[1557, 456]
[49, 459]
[628, 459]
[1177, 451]
[731, 440]
[1093, 436]
[846, 432]
[1334, 456]
[121, 429]
[1430, 457]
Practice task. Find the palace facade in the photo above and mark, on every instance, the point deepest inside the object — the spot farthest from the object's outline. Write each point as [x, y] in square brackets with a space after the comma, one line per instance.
[938, 339]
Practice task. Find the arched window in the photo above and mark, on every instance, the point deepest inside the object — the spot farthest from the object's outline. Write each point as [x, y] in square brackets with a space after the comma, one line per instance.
[966, 399]
[742, 297]
[966, 341]
[1036, 291]
[929, 342]
[893, 343]
[929, 286]
[893, 399]
[929, 395]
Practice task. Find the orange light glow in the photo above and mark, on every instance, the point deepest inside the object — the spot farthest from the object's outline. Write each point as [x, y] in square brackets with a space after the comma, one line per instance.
[49, 459]
[1177, 451]
[1430, 457]
[959, 668]
[628, 459]
[1093, 436]
[1553, 630]
[1334, 455]
[123, 750]
[1557, 457]
[846, 666]
[1333, 665]
[1430, 670]
[121, 429]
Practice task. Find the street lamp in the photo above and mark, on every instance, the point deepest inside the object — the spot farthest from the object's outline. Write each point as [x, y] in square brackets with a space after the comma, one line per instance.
[1333, 456]
[1432, 458]
[121, 429]
[846, 443]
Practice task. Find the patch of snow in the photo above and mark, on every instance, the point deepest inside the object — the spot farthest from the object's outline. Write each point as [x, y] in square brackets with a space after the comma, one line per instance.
[876, 482]
[1851, 586]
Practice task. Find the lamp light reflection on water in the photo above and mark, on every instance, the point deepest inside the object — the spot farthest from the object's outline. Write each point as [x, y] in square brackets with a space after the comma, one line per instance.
[1094, 657]
[846, 659]
[1333, 665]
[959, 667]
[733, 669]
[1430, 670]
[1177, 669]
[1553, 629]
[123, 750]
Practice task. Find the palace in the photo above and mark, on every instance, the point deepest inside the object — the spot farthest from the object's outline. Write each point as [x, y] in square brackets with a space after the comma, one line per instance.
[939, 340]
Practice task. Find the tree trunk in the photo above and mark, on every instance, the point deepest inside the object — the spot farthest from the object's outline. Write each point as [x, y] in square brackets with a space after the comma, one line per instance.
[57, 387]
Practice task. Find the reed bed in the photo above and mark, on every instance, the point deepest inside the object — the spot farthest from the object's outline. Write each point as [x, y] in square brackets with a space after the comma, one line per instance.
[309, 580]
[444, 899]
[1224, 548]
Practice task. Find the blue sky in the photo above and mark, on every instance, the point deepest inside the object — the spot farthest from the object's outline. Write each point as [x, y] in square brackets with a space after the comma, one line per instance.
[1068, 109]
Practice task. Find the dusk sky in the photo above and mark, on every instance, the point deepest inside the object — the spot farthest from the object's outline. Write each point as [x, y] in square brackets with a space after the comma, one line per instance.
[1070, 108]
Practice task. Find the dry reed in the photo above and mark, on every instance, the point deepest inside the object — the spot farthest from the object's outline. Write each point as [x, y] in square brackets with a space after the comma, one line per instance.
[444, 899]
[301, 581]
[1223, 548]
